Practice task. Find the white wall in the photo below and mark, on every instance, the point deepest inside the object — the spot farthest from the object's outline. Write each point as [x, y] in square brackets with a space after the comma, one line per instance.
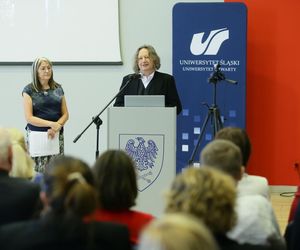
[89, 88]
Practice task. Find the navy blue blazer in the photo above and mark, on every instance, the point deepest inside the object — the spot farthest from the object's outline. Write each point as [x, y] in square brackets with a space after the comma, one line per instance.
[161, 84]
[55, 233]
[19, 198]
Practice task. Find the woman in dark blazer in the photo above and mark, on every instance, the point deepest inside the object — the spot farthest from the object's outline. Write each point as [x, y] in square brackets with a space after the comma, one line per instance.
[150, 82]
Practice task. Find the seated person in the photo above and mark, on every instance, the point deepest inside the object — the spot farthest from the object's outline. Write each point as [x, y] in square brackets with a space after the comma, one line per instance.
[256, 222]
[23, 165]
[19, 197]
[210, 195]
[248, 184]
[177, 232]
[116, 184]
[68, 196]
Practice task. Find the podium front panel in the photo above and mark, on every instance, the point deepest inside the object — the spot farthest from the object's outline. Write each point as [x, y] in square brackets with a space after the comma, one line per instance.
[148, 135]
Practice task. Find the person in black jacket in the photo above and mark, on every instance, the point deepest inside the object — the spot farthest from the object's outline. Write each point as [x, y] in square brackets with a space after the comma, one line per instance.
[19, 198]
[151, 81]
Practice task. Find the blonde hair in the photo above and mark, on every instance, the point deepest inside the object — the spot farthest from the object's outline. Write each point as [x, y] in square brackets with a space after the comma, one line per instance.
[5, 145]
[177, 232]
[206, 193]
[23, 165]
[152, 54]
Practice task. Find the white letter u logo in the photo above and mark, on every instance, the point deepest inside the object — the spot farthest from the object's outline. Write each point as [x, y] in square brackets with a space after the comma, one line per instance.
[211, 45]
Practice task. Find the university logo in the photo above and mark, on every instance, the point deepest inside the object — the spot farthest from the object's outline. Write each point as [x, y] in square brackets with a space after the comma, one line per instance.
[211, 45]
[148, 153]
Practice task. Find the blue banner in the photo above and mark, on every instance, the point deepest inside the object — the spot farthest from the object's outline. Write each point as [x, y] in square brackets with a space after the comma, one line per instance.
[209, 47]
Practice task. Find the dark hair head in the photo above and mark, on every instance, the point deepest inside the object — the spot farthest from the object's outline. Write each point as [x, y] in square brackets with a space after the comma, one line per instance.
[240, 138]
[152, 54]
[116, 182]
[69, 186]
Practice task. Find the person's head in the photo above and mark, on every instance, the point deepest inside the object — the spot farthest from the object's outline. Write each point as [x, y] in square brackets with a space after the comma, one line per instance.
[177, 232]
[239, 137]
[206, 193]
[116, 181]
[42, 71]
[5, 150]
[223, 155]
[68, 187]
[146, 60]
[22, 163]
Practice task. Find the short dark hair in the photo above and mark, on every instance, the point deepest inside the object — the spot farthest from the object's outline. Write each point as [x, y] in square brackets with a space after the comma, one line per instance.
[240, 138]
[116, 181]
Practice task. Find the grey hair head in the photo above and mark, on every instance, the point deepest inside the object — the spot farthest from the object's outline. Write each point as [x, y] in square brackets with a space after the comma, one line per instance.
[34, 72]
[152, 54]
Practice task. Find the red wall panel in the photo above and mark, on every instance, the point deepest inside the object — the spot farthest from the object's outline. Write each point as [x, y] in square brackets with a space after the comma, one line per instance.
[273, 89]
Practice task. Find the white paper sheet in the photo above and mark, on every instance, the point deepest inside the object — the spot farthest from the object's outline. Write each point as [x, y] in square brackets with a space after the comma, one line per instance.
[41, 145]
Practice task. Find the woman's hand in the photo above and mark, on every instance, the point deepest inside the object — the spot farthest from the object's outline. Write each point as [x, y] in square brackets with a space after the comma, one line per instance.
[51, 133]
[56, 126]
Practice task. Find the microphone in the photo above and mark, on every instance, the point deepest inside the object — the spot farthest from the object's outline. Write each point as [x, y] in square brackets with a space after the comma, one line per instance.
[134, 76]
[231, 81]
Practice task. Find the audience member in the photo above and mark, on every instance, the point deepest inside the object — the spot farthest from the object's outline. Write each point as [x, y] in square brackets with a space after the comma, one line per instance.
[23, 165]
[293, 231]
[116, 184]
[210, 195]
[19, 198]
[296, 199]
[248, 184]
[256, 223]
[68, 196]
[177, 232]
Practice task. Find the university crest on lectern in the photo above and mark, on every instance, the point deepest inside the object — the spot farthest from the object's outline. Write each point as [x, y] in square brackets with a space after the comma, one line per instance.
[147, 151]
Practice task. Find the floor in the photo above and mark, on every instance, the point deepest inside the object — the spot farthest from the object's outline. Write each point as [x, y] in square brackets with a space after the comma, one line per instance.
[281, 202]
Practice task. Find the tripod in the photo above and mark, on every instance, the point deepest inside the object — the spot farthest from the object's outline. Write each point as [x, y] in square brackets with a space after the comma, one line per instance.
[213, 111]
[214, 116]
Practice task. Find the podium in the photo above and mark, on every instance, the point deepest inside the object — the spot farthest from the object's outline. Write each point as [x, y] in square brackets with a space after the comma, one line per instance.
[148, 134]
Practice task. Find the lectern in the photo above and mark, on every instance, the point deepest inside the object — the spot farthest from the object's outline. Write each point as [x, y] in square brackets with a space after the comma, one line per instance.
[148, 135]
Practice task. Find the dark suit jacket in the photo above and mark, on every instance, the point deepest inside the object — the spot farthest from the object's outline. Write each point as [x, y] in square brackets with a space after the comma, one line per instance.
[44, 234]
[161, 84]
[19, 198]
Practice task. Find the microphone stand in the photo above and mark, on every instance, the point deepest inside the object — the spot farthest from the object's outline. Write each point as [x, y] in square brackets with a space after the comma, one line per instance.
[96, 119]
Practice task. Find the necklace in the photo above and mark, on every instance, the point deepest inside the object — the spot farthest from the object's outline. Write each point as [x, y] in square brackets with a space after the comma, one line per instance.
[45, 92]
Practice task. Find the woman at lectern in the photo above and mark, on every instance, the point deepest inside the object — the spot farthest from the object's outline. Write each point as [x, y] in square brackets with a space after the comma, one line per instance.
[45, 110]
[148, 81]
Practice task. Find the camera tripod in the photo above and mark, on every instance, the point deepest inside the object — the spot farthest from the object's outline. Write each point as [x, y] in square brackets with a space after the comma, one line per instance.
[213, 114]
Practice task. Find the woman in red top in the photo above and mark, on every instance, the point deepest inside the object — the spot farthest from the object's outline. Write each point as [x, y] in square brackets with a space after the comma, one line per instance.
[116, 184]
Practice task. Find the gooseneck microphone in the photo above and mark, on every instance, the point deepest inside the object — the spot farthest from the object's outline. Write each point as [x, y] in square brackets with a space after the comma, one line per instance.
[134, 76]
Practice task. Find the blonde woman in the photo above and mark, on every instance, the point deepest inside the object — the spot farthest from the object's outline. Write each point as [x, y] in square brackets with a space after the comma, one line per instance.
[210, 195]
[22, 165]
[176, 232]
[45, 107]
